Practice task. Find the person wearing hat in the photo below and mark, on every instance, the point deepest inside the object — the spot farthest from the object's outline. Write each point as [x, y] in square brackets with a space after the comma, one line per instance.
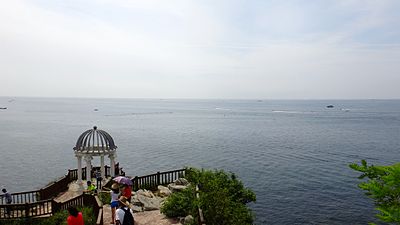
[124, 214]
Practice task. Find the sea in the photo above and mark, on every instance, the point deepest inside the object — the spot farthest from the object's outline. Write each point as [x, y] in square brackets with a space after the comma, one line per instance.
[294, 154]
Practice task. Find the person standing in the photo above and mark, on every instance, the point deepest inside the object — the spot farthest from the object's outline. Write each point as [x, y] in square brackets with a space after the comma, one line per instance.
[127, 192]
[75, 217]
[114, 200]
[124, 214]
[114, 192]
[8, 198]
[98, 179]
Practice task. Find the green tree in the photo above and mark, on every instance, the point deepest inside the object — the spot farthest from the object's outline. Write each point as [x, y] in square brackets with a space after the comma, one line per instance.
[223, 198]
[383, 186]
[181, 204]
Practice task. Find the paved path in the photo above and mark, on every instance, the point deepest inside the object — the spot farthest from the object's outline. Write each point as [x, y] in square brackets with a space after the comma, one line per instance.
[142, 218]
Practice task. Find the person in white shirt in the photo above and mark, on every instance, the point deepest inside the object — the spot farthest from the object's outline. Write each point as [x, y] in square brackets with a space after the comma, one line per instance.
[124, 214]
[114, 193]
[114, 200]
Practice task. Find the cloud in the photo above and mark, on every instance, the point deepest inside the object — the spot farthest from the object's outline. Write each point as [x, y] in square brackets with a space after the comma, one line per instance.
[197, 49]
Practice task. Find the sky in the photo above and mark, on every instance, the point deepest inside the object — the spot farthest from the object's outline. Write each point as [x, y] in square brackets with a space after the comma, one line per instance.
[225, 49]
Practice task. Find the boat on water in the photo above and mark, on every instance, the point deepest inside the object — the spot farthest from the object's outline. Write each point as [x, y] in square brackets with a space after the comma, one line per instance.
[330, 106]
[3, 107]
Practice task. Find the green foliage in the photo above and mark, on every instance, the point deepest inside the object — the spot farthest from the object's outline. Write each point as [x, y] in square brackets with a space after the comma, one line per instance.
[223, 198]
[383, 187]
[180, 204]
[59, 218]
[88, 215]
[105, 197]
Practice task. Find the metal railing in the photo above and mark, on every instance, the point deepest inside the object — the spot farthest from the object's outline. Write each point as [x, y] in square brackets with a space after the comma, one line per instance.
[151, 181]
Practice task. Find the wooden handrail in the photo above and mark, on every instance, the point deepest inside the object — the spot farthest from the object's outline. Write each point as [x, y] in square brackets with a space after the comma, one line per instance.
[39, 208]
[23, 197]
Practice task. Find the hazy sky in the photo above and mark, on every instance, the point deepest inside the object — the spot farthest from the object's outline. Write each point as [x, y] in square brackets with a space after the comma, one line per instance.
[267, 49]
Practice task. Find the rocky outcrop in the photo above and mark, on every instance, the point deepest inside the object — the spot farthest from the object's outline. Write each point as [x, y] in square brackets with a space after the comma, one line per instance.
[181, 181]
[178, 185]
[144, 200]
[163, 191]
[188, 220]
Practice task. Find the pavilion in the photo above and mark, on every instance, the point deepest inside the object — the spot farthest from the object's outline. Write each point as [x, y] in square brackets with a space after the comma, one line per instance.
[91, 143]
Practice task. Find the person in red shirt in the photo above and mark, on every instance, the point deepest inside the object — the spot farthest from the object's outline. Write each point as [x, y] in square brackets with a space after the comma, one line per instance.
[127, 192]
[75, 217]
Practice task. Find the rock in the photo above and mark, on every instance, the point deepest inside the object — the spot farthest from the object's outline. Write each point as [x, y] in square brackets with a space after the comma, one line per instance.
[176, 188]
[149, 203]
[163, 191]
[188, 220]
[144, 200]
[135, 200]
[136, 208]
[145, 193]
[181, 181]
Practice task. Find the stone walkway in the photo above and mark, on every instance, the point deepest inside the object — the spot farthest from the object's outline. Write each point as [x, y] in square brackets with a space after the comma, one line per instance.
[141, 218]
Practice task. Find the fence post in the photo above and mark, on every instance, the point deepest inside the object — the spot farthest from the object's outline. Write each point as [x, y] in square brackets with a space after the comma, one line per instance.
[26, 207]
[136, 183]
[55, 207]
[69, 175]
[158, 178]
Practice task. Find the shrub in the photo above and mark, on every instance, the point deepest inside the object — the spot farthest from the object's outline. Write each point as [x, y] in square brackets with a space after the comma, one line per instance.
[105, 197]
[223, 198]
[384, 187]
[180, 204]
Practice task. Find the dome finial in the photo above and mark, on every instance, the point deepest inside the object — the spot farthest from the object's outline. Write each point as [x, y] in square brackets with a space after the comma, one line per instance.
[95, 128]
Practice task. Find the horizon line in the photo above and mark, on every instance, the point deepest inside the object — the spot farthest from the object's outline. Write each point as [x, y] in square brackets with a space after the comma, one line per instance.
[183, 98]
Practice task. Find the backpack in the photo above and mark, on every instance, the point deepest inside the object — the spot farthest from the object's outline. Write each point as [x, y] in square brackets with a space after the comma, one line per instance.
[128, 218]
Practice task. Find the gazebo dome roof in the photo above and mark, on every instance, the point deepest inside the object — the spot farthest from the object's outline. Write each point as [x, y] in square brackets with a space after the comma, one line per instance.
[95, 142]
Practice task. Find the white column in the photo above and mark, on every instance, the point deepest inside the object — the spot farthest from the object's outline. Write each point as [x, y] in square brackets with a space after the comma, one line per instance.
[88, 160]
[79, 169]
[102, 169]
[112, 164]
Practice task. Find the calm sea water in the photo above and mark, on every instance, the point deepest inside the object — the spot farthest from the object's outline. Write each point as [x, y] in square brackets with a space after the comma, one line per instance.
[293, 154]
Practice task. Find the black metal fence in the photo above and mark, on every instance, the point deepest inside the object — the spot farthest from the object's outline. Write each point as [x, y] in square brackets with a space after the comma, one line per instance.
[151, 181]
